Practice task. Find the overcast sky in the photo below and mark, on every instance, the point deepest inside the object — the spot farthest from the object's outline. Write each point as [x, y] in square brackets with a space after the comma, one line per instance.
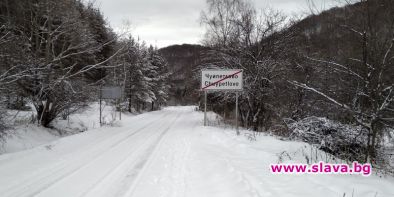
[167, 22]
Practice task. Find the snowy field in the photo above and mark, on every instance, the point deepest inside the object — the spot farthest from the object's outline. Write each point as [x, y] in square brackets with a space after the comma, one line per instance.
[169, 153]
[24, 135]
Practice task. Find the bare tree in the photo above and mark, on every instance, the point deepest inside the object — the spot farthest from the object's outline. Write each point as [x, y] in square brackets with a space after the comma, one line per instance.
[65, 44]
[369, 71]
[259, 44]
[225, 19]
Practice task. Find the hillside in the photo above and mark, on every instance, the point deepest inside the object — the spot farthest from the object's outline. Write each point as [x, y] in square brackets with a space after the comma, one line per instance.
[182, 62]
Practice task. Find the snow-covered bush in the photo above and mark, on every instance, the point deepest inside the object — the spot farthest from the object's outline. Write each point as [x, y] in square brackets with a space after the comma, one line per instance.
[348, 142]
[2, 123]
[345, 141]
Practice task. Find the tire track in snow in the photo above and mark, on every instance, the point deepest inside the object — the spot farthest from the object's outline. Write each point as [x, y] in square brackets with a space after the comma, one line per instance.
[145, 164]
[8, 159]
[104, 156]
[180, 171]
[187, 170]
[137, 161]
[174, 153]
[61, 170]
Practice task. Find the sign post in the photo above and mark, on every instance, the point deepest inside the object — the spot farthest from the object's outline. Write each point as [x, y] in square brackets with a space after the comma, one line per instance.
[222, 80]
[205, 108]
[236, 112]
[111, 92]
[100, 106]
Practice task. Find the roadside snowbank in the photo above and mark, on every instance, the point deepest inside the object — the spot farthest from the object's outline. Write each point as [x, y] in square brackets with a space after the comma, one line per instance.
[23, 134]
[170, 153]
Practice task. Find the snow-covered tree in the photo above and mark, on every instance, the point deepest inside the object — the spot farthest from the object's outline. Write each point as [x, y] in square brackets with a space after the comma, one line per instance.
[61, 48]
[363, 86]
[260, 46]
[145, 75]
[158, 74]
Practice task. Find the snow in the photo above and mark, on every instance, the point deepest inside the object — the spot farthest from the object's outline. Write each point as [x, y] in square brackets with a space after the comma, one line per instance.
[170, 153]
[24, 135]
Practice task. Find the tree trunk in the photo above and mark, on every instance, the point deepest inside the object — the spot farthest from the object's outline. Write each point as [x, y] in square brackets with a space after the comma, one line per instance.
[44, 115]
[374, 131]
[129, 103]
[129, 89]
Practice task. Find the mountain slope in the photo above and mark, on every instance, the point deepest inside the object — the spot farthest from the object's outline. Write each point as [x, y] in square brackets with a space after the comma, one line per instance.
[182, 61]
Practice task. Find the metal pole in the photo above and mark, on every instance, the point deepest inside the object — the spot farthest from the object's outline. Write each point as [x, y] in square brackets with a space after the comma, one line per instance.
[120, 109]
[205, 108]
[236, 112]
[100, 106]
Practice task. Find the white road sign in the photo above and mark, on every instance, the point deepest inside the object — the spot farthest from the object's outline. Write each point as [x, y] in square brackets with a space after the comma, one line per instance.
[111, 92]
[221, 79]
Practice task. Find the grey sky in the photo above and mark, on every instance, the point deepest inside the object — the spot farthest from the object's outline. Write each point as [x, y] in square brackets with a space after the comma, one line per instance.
[166, 22]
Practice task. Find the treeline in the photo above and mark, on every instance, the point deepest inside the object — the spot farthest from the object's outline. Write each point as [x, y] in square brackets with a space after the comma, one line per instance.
[182, 62]
[338, 65]
[56, 55]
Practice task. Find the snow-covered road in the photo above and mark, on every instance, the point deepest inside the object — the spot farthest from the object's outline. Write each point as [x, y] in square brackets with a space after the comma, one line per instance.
[169, 154]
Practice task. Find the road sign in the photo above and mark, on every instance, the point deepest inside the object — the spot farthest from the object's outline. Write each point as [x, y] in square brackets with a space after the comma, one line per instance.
[111, 92]
[222, 79]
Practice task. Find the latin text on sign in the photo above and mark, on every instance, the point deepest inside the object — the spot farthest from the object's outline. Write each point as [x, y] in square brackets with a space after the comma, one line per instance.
[221, 80]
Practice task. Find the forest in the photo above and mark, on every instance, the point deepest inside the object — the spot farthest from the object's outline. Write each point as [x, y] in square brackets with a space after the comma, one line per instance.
[326, 78]
[57, 55]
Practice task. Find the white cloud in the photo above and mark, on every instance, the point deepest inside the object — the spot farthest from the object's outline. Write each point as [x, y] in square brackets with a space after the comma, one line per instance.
[167, 22]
